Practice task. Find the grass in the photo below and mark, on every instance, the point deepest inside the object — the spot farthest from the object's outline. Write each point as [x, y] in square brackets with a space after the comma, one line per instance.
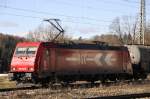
[6, 83]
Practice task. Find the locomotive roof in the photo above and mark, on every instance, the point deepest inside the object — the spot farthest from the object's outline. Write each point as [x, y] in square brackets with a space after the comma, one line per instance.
[24, 44]
[74, 45]
[97, 45]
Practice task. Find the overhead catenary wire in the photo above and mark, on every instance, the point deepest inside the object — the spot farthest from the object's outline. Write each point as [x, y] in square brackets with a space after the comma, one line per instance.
[62, 2]
[91, 7]
[48, 13]
[62, 15]
[95, 26]
[41, 18]
[104, 1]
[135, 2]
[97, 8]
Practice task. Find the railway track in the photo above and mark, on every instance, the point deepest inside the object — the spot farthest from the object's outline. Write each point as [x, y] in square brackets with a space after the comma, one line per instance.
[75, 85]
[81, 91]
[128, 96]
[15, 89]
[56, 92]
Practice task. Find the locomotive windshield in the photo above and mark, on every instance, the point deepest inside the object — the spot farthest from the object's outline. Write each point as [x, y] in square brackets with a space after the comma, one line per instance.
[26, 50]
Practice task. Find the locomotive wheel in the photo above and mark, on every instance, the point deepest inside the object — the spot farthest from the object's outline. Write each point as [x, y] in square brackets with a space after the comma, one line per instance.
[65, 83]
[140, 76]
[143, 76]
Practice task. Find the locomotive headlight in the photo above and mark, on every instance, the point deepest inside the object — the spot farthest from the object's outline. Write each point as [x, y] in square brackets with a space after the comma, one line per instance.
[13, 69]
[31, 69]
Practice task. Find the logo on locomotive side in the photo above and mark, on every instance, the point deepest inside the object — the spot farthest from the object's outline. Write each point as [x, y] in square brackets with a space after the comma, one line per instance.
[107, 59]
[100, 59]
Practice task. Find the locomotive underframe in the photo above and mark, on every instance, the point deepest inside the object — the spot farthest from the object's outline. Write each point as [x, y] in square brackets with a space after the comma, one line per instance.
[22, 77]
[69, 78]
[138, 71]
[58, 78]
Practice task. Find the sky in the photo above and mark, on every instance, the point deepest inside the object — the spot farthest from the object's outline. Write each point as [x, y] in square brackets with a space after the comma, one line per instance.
[84, 18]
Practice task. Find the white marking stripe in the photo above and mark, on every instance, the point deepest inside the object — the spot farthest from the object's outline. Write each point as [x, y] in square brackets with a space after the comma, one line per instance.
[72, 59]
[89, 59]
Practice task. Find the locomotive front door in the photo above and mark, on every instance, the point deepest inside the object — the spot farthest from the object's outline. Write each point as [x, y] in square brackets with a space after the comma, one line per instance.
[45, 61]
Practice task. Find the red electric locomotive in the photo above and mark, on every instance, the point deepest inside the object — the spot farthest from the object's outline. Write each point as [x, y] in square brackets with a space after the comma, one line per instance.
[43, 62]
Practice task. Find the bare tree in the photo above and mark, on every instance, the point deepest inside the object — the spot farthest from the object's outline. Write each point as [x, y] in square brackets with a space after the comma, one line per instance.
[109, 38]
[125, 28]
[46, 33]
[115, 28]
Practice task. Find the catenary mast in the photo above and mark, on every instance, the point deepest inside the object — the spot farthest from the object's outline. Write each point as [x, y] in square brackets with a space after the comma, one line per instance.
[142, 22]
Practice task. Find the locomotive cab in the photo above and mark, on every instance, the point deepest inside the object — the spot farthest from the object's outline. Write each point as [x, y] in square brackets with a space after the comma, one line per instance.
[24, 61]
